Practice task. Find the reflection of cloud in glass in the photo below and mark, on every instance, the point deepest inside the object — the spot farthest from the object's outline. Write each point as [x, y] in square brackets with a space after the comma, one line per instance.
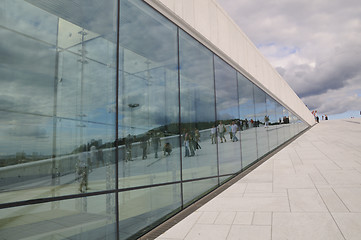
[226, 90]
[28, 131]
[29, 82]
[140, 34]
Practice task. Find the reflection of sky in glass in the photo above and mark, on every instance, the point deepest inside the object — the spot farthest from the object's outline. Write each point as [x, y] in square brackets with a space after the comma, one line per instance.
[260, 103]
[148, 91]
[245, 92]
[196, 72]
[271, 109]
[226, 91]
[29, 80]
[80, 79]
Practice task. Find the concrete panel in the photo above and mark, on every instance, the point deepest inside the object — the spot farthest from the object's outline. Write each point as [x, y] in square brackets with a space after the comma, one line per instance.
[202, 17]
[213, 22]
[240, 50]
[223, 34]
[170, 4]
[188, 12]
[178, 7]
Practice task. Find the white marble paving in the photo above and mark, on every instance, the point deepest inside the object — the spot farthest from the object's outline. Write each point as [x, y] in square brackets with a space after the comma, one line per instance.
[310, 190]
[304, 226]
[225, 218]
[239, 232]
[350, 224]
[306, 200]
[243, 218]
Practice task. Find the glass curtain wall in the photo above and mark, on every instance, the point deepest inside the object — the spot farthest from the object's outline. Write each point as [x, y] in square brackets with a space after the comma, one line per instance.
[261, 123]
[148, 116]
[281, 119]
[271, 122]
[109, 128]
[247, 120]
[229, 148]
[57, 128]
[197, 101]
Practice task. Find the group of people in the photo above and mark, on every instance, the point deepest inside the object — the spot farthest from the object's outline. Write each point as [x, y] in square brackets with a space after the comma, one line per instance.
[145, 142]
[317, 119]
[221, 130]
[191, 142]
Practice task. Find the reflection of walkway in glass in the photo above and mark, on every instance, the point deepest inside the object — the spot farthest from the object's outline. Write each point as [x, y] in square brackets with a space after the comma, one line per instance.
[137, 207]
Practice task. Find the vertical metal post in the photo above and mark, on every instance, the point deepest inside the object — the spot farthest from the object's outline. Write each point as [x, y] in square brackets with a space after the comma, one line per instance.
[180, 122]
[215, 115]
[239, 117]
[116, 124]
[54, 168]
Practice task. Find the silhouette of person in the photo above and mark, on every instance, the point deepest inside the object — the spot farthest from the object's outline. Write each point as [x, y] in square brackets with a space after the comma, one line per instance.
[213, 134]
[221, 131]
[167, 149]
[156, 143]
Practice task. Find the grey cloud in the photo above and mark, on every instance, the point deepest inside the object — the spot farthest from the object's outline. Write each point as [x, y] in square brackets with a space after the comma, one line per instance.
[333, 73]
[324, 68]
[28, 131]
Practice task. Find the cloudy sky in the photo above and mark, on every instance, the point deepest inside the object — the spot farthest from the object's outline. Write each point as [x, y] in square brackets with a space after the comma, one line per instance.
[315, 45]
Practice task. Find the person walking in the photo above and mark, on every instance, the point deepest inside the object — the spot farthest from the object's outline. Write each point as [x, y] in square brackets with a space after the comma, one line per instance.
[234, 131]
[213, 134]
[156, 143]
[186, 144]
[83, 169]
[221, 131]
[266, 121]
[144, 146]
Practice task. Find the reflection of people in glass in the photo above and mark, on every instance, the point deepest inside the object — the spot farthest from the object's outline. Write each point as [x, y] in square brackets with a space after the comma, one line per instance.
[93, 157]
[221, 131]
[213, 134]
[197, 138]
[83, 169]
[230, 132]
[100, 157]
[192, 145]
[186, 144]
[128, 148]
[156, 143]
[234, 131]
[144, 146]
[167, 149]
[197, 135]
[246, 123]
[266, 120]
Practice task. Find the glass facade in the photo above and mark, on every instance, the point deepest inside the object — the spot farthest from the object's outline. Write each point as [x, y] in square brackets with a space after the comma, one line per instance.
[113, 119]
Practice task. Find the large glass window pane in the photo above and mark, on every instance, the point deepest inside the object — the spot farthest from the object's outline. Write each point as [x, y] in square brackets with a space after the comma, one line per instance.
[79, 218]
[260, 122]
[140, 210]
[281, 119]
[293, 126]
[271, 122]
[229, 148]
[246, 111]
[197, 109]
[192, 191]
[148, 97]
[287, 125]
[58, 88]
